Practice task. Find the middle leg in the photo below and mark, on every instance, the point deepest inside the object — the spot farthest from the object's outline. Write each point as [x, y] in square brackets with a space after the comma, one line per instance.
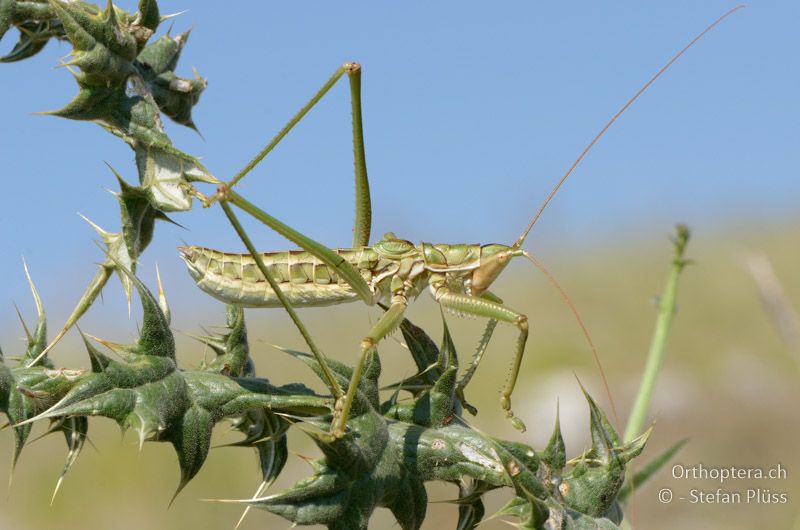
[385, 325]
[482, 307]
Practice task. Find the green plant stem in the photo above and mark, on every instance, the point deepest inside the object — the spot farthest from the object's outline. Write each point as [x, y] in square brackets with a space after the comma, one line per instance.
[655, 357]
[333, 385]
[289, 126]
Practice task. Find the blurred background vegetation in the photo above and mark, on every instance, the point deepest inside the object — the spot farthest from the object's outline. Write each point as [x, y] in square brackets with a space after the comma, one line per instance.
[729, 384]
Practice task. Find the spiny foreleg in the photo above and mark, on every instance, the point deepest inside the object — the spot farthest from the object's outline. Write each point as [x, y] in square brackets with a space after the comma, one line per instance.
[477, 357]
[481, 307]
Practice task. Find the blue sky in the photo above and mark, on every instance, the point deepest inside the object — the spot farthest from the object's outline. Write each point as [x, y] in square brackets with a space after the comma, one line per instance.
[471, 114]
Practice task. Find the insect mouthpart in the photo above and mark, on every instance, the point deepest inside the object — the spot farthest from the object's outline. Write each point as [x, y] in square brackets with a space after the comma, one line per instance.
[494, 258]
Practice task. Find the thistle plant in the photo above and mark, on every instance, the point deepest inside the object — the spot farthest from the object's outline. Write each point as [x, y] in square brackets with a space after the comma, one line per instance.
[393, 445]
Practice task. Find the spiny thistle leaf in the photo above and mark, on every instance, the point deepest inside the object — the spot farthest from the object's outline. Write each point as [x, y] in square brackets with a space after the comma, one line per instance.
[117, 256]
[434, 387]
[470, 503]
[550, 515]
[192, 442]
[17, 12]
[555, 455]
[215, 397]
[432, 363]
[357, 475]
[166, 172]
[434, 407]
[362, 461]
[162, 55]
[155, 337]
[33, 37]
[366, 397]
[263, 429]
[430, 359]
[75, 432]
[383, 460]
[138, 216]
[423, 350]
[124, 85]
[103, 47]
[122, 250]
[649, 470]
[175, 96]
[37, 341]
[26, 391]
[7, 11]
[32, 391]
[604, 438]
[146, 392]
[591, 487]
[148, 16]
[138, 220]
[266, 432]
[531, 512]
[231, 348]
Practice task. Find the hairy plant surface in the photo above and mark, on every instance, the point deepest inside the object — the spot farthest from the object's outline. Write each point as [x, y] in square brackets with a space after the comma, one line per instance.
[392, 448]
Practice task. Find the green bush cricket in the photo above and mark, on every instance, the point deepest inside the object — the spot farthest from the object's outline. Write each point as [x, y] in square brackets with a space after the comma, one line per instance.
[391, 270]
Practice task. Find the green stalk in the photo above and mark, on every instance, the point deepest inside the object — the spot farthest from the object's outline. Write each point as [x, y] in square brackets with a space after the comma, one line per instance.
[655, 357]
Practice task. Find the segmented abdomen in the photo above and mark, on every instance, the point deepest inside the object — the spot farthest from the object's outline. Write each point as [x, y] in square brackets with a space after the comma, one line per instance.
[236, 279]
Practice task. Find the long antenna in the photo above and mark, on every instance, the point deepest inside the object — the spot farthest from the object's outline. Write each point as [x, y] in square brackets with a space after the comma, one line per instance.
[577, 161]
[567, 300]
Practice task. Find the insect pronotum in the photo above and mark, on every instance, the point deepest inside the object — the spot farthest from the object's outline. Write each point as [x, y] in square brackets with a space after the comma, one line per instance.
[392, 270]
